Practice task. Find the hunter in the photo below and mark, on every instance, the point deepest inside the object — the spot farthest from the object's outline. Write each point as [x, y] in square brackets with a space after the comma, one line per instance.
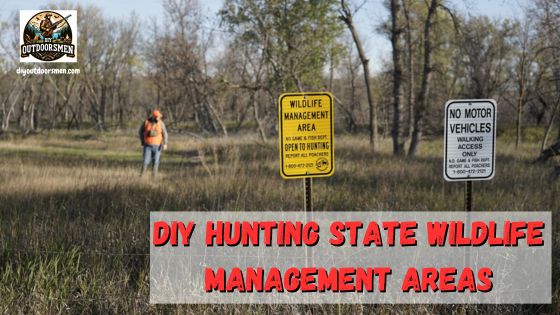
[46, 25]
[153, 137]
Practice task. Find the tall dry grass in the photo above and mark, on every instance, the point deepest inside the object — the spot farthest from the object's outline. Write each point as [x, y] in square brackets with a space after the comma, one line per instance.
[74, 213]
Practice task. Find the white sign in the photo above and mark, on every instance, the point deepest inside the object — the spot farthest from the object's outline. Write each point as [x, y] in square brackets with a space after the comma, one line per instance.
[470, 140]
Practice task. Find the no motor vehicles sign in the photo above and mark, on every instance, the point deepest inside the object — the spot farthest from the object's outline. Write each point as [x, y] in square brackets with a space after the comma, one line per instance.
[470, 140]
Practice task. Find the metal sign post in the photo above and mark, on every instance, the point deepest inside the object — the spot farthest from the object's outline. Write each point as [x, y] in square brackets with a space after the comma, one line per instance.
[308, 209]
[468, 210]
[468, 195]
[306, 134]
[470, 143]
[307, 189]
[469, 148]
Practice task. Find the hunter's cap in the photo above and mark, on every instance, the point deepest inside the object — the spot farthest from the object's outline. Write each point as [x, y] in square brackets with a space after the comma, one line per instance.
[157, 114]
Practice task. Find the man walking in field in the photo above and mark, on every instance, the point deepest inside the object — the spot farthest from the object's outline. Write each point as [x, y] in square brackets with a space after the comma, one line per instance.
[153, 137]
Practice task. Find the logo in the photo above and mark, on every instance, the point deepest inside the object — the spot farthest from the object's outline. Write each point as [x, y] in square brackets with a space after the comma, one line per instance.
[48, 36]
[322, 164]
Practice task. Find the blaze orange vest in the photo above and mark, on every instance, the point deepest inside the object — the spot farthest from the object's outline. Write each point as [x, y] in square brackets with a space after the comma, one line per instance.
[153, 133]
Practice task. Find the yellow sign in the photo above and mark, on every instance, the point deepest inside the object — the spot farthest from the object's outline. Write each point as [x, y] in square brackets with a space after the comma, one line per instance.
[306, 134]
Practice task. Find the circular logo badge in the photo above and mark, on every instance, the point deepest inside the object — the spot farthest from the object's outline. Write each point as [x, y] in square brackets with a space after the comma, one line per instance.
[47, 36]
[322, 164]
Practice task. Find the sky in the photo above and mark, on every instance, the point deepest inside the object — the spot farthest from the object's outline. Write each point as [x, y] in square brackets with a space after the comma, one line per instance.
[367, 19]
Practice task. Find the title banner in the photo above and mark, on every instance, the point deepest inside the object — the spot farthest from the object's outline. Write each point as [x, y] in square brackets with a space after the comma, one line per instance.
[350, 257]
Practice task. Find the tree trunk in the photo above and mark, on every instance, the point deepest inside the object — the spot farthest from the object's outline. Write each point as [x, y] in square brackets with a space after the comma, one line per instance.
[558, 137]
[255, 104]
[550, 123]
[331, 69]
[519, 118]
[102, 109]
[396, 31]
[37, 106]
[216, 118]
[410, 61]
[521, 74]
[6, 114]
[346, 16]
[426, 77]
[350, 121]
[32, 115]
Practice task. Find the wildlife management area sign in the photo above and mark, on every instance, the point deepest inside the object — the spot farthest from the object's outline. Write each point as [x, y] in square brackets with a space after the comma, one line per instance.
[470, 140]
[306, 134]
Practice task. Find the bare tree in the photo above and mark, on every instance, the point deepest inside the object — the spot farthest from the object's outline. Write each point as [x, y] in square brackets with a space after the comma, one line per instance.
[346, 16]
[396, 34]
[350, 89]
[410, 66]
[426, 78]
[524, 58]
[178, 59]
[547, 13]
[12, 85]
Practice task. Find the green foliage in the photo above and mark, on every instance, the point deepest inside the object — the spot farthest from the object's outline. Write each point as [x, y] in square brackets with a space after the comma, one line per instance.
[487, 50]
[294, 37]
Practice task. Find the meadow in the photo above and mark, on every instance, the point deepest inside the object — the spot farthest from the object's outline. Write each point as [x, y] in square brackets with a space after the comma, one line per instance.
[74, 213]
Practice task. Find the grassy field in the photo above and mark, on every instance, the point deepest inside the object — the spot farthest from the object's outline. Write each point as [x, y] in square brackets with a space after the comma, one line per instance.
[74, 214]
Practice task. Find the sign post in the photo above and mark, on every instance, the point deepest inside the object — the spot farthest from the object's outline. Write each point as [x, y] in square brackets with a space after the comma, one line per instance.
[468, 195]
[469, 146]
[306, 132]
[307, 189]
